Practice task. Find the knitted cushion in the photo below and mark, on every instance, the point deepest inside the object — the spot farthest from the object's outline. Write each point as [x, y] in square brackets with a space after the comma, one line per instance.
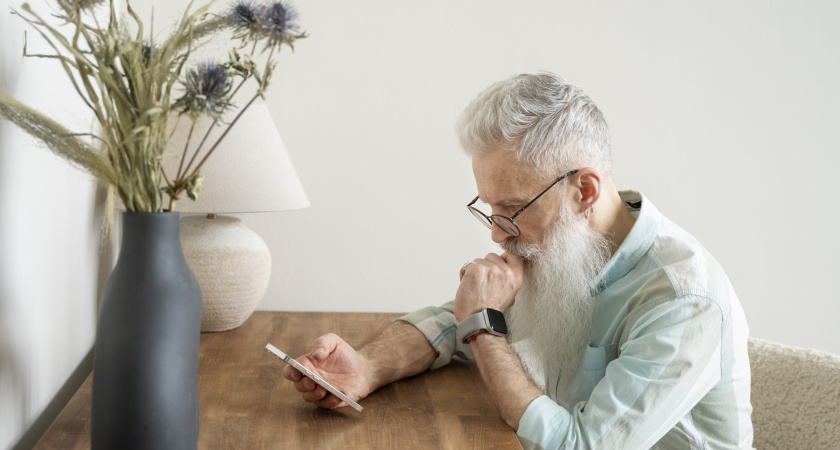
[795, 397]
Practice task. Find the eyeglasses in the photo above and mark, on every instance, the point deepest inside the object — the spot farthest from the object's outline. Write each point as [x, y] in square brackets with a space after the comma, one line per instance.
[506, 223]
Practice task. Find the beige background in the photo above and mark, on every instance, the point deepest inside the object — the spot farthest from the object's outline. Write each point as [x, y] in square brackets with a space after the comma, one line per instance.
[724, 115]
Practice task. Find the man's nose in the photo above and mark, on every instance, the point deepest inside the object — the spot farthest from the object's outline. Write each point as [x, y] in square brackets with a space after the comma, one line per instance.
[497, 234]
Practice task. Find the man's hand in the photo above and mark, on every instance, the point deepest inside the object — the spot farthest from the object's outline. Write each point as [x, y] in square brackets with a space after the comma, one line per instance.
[336, 362]
[491, 282]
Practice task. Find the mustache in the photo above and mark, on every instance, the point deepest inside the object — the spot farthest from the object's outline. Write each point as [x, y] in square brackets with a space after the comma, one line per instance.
[521, 249]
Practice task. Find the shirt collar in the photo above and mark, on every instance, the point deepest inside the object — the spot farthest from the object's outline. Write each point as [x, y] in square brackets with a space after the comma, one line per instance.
[635, 245]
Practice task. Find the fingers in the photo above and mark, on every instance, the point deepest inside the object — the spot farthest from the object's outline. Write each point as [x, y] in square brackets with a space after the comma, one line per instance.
[315, 394]
[494, 260]
[331, 402]
[463, 270]
[311, 392]
[306, 385]
[515, 262]
[322, 398]
[478, 261]
[324, 345]
[291, 374]
[302, 383]
[506, 260]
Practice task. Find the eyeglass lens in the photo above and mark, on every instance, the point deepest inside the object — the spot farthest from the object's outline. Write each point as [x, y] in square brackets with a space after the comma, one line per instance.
[506, 224]
[481, 217]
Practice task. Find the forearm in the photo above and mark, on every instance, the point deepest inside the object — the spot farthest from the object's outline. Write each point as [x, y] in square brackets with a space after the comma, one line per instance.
[400, 351]
[504, 376]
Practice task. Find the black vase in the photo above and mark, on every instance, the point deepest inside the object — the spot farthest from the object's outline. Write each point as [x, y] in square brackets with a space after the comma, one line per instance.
[145, 369]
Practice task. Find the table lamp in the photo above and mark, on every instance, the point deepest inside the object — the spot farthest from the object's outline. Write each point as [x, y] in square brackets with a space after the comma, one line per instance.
[249, 172]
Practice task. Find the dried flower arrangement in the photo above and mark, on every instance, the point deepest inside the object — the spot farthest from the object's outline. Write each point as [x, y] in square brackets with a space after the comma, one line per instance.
[128, 83]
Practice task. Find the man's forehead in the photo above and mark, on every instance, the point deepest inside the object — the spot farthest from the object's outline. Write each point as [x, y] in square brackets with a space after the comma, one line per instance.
[500, 179]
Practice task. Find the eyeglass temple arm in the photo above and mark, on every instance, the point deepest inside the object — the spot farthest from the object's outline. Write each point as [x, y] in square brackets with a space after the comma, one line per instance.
[543, 192]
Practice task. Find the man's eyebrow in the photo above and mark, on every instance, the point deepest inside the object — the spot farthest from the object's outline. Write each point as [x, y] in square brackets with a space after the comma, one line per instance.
[505, 202]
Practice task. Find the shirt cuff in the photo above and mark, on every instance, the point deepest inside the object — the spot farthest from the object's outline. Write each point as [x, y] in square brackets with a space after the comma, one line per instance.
[544, 425]
[439, 326]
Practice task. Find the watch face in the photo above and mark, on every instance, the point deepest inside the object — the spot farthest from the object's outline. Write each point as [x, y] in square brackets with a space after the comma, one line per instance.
[497, 321]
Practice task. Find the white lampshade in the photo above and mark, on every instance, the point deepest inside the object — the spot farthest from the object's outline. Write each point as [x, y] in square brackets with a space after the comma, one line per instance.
[250, 170]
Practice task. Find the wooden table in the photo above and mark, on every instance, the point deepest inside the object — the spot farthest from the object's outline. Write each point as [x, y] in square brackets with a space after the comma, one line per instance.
[245, 403]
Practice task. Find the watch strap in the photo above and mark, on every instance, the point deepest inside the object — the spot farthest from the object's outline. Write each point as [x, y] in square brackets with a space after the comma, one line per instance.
[472, 325]
[476, 323]
[472, 338]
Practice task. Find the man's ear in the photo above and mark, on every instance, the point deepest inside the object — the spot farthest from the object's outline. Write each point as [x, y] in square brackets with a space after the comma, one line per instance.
[587, 183]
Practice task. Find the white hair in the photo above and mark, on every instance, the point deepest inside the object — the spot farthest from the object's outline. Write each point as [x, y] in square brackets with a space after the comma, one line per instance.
[551, 125]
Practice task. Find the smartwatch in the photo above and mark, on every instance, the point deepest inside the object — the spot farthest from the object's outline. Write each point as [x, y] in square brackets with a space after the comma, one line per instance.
[490, 320]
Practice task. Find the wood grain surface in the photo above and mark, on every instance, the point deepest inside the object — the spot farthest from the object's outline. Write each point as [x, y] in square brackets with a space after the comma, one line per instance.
[245, 403]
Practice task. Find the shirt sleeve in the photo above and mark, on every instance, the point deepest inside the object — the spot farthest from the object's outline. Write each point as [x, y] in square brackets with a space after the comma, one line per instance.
[438, 324]
[670, 359]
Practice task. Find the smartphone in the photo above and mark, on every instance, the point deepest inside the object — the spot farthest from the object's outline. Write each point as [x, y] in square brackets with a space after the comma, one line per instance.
[302, 369]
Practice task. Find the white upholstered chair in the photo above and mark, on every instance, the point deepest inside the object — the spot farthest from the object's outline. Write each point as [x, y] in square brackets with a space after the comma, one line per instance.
[795, 397]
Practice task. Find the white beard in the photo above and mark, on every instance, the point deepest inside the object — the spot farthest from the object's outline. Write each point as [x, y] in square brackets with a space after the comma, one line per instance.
[549, 323]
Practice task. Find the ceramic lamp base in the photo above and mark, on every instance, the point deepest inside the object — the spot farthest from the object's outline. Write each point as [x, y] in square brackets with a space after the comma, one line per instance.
[232, 265]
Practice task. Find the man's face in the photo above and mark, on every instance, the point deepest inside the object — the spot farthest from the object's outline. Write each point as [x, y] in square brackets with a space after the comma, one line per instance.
[506, 187]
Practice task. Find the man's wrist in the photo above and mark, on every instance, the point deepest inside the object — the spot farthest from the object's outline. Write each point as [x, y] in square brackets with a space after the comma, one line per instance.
[368, 368]
[460, 316]
[488, 320]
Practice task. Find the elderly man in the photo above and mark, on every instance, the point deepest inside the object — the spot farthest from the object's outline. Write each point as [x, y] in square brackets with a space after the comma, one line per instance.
[603, 325]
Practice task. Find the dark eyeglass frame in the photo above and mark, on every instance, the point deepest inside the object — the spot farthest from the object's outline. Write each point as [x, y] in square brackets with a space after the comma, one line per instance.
[488, 221]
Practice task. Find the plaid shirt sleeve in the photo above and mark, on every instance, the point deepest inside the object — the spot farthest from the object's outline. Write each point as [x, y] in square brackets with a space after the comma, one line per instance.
[438, 324]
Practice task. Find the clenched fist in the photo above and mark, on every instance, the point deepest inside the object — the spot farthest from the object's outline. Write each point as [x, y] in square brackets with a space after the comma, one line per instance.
[491, 282]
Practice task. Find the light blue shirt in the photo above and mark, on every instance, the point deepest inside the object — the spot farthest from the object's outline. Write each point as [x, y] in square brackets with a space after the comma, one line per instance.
[667, 363]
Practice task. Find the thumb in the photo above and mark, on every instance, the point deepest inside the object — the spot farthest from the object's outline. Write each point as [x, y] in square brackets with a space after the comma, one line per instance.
[323, 346]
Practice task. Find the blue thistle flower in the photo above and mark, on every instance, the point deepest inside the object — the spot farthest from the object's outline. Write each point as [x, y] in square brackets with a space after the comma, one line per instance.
[71, 6]
[246, 18]
[206, 91]
[148, 51]
[81, 4]
[281, 24]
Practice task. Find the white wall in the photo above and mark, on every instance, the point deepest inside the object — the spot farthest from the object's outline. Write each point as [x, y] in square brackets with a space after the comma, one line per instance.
[49, 249]
[724, 114]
